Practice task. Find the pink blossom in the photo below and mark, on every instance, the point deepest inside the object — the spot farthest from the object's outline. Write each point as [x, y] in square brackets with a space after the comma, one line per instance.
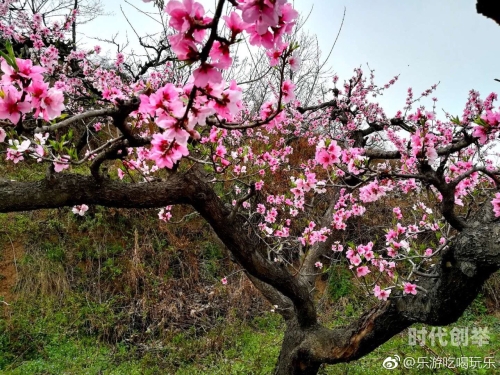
[274, 56]
[392, 252]
[271, 215]
[318, 265]
[39, 153]
[287, 91]
[496, 204]
[16, 150]
[10, 105]
[183, 15]
[220, 53]
[3, 134]
[224, 281]
[481, 133]
[173, 129]
[165, 101]
[61, 163]
[51, 105]
[381, 294]
[431, 154]
[294, 62]
[165, 214]
[362, 271]
[205, 74]
[120, 58]
[324, 158]
[38, 90]
[409, 288]
[327, 156]
[265, 40]
[80, 209]
[37, 18]
[416, 142]
[358, 210]
[185, 49]
[397, 212]
[337, 247]
[235, 24]
[14, 155]
[371, 192]
[263, 14]
[166, 152]
[369, 255]
[229, 102]
[26, 70]
[220, 151]
[492, 119]
[355, 260]
[120, 173]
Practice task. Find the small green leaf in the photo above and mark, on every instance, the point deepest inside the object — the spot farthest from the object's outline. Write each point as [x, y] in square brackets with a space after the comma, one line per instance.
[9, 57]
[6, 57]
[456, 120]
[62, 117]
[481, 122]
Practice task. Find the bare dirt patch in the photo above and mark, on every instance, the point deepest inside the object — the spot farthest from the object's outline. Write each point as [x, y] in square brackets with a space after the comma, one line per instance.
[9, 260]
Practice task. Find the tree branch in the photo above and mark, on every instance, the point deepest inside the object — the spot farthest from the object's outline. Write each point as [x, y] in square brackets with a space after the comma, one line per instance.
[81, 116]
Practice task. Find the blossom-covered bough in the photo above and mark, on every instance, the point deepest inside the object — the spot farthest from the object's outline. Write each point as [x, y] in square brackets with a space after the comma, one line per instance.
[280, 185]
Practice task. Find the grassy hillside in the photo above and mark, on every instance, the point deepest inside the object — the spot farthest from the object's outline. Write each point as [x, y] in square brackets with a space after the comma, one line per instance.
[118, 292]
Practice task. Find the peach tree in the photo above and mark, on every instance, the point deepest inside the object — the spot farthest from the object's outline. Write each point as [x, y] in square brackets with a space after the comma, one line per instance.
[278, 181]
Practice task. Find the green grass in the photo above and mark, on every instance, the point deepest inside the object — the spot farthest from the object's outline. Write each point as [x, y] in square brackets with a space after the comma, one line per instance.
[239, 348]
[69, 329]
[235, 349]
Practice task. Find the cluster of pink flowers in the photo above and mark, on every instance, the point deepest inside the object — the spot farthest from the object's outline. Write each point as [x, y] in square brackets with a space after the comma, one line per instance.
[188, 19]
[24, 91]
[311, 236]
[16, 150]
[373, 191]
[328, 155]
[354, 255]
[306, 184]
[268, 21]
[165, 214]
[381, 294]
[166, 151]
[171, 115]
[424, 144]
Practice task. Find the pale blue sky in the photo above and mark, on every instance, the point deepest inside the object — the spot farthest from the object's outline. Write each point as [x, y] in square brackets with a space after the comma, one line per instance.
[425, 41]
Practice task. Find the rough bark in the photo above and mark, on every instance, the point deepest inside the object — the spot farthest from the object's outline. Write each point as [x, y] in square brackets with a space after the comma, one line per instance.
[472, 257]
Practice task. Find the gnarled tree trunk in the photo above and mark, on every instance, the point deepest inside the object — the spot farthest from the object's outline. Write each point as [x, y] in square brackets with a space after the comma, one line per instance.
[462, 269]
